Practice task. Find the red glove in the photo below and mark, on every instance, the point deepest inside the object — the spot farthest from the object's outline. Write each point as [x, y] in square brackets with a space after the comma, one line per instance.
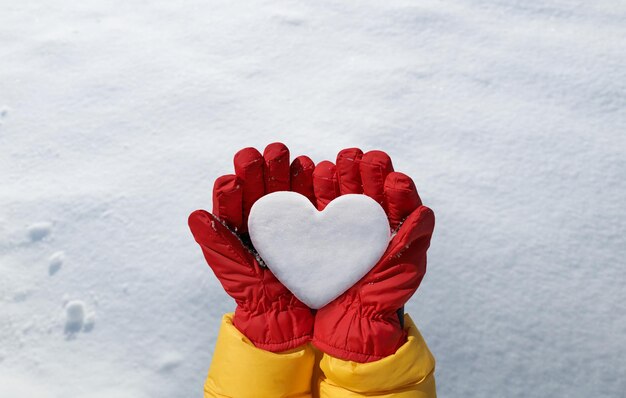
[267, 313]
[362, 324]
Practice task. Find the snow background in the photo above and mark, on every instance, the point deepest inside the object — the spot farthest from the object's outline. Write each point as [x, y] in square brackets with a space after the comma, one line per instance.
[116, 117]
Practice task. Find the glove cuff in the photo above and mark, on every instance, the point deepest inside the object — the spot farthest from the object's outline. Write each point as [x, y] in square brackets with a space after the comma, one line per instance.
[351, 337]
[277, 329]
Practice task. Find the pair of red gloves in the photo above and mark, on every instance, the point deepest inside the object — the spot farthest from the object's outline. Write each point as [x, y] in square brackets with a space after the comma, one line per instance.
[362, 324]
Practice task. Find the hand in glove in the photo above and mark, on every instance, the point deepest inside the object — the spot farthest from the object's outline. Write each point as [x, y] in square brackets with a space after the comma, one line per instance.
[362, 324]
[267, 313]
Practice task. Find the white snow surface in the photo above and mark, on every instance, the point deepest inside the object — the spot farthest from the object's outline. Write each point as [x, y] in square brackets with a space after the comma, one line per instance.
[116, 117]
[318, 254]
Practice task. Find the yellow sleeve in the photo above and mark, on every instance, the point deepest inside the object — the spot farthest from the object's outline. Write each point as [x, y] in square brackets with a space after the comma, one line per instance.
[241, 370]
[409, 373]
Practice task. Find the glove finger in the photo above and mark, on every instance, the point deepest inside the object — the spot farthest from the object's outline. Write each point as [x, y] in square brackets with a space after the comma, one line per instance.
[418, 227]
[374, 168]
[393, 287]
[401, 197]
[325, 185]
[276, 167]
[249, 170]
[408, 245]
[348, 174]
[227, 198]
[234, 266]
[301, 178]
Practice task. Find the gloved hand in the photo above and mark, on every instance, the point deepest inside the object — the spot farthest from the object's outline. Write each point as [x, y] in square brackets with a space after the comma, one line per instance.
[267, 313]
[362, 324]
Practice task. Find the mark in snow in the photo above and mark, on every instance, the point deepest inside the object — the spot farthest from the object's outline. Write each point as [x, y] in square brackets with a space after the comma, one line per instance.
[90, 322]
[55, 262]
[38, 231]
[74, 316]
[169, 361]
[77, 318]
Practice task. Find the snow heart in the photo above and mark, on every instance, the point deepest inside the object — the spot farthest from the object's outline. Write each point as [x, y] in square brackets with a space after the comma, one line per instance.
[318, 255]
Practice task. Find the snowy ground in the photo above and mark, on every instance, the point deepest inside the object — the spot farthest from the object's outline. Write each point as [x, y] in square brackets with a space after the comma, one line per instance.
[116, 116]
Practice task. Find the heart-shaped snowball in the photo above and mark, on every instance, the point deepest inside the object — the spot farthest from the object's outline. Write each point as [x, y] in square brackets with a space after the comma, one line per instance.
[318, 254]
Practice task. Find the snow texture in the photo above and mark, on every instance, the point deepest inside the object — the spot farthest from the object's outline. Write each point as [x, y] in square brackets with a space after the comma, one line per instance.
[318, 255]
[117, 116]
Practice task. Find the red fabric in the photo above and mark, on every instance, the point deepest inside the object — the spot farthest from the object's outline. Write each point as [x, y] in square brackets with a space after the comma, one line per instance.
[249, 164]
[301, 176]
[401, 197]
[348, 174]
[325, 184]
[227, 201]
[362, 324]
[276, 171]
[267, 313]
[374, 167]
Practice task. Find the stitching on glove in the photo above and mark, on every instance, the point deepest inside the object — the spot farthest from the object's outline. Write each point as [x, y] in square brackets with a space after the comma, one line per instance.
[308, 335]
[346, 351]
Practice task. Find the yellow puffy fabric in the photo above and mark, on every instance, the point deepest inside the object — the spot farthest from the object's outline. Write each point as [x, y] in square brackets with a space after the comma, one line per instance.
[409, 373]
[240, 370]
